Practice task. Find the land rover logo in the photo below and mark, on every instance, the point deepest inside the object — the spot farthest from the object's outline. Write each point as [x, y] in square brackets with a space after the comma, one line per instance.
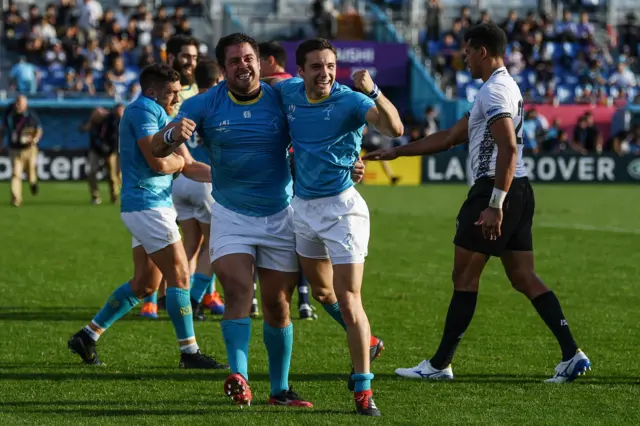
[634, 169]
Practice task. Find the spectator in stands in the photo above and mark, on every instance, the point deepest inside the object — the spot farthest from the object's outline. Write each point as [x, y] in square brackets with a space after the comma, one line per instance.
[184, 28]
[623, 77]
[534, 128]
[484, 17]
[24, 130]
[24, 77]
[465, 17]
[585, 29]
[566, 29]
[90, 15]
[586, 136]
[629, 34]
[64, 15]
[323, 17]
[510, 25]
[552, 137]
[55, 57]
[45, 30]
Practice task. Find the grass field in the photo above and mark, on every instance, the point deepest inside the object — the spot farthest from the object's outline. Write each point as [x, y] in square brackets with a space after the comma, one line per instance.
[61, 257]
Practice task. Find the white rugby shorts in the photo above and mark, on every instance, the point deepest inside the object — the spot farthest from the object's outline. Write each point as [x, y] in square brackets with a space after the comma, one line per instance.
[191, 199]
[153, 229]
[335, 228]
[269, 239]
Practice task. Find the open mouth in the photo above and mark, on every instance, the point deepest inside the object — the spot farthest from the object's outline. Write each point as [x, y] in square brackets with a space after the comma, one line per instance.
[244, 76]
[323, 83]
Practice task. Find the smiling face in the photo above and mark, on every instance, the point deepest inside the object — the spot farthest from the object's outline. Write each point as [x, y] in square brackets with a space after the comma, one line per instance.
[242, 69]
[185, 63]
[319, 73]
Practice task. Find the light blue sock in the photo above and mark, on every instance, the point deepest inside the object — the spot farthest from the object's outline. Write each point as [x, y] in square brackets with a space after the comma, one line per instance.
[179, 310]
[334, 311]
[236, 334]
[212, 285]
[199, 284]
[153, 298]
[279, 343]
[120, 302]
[363, 381]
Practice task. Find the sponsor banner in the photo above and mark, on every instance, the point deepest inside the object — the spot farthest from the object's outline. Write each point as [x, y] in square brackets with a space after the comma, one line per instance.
[569, 114]
[452, 167]
[408, 170]
[386, 62]
[54, 166]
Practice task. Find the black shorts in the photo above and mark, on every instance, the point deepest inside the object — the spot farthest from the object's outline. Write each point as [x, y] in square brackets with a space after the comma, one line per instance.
[518, 209]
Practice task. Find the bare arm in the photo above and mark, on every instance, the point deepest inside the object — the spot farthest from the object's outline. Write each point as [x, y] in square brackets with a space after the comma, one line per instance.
[181, 132]
[167, 165]
[193, 169]
[432, 144]
[385, 117]
[504, 134]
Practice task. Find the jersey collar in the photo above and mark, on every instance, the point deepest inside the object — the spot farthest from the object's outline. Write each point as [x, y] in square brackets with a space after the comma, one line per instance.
[251, 102]
[497, 72]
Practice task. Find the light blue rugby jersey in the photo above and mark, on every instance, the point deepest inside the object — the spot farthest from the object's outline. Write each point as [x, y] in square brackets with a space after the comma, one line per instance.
[326, 136]
[142, 188]
[250, 174]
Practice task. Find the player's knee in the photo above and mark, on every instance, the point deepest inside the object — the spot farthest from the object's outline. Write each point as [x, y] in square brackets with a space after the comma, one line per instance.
[350, 307]
[236, 290]
[323, 296]
[183, 277]
[462, 282]
[276, 309]
[143, 287]
[522, 279]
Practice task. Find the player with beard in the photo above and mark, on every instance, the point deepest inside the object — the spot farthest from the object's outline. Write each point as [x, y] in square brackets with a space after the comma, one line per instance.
[245, 132]
[148, 214]
[273, 59]
[192, 200]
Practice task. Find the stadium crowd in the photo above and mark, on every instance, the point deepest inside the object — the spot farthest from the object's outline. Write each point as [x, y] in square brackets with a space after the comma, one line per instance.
[84, 49]
[555, 61]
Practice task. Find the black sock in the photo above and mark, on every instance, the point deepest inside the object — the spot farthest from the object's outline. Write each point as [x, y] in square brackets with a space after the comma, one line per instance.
[548, 307]
[461, 309]
[303, 291]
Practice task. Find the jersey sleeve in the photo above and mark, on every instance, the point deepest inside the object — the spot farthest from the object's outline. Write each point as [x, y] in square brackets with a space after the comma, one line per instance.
[143, 122]
[362, 105]
[194, 109]
[495, 104]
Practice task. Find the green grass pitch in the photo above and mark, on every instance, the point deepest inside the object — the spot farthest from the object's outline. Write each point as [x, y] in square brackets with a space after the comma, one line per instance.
[61, 257]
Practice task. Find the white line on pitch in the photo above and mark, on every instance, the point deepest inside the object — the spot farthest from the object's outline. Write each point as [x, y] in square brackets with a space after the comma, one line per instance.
[581, 227]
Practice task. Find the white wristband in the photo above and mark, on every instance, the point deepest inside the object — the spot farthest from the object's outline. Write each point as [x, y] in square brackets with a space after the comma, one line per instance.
[167, 136]
[497, 198]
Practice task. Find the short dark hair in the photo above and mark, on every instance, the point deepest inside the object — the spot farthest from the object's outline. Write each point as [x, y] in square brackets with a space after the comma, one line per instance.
[311, 46]
[207, 73]
[487, 35]
[157, 74]
[175, 44]
[274, 49]
[232, 40]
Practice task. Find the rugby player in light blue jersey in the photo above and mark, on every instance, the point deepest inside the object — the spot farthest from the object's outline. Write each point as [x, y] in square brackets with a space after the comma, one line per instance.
[331, 219]
[147, 212]
[243, 128]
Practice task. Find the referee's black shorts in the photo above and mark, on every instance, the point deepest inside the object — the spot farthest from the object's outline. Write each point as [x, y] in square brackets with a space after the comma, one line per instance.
[518, 209]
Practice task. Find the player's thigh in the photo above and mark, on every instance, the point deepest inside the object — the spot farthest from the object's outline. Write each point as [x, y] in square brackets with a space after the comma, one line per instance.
[203, 202]
[158, 233]
[232, 250]
[347, 236]
[276, 288]
[467, 269]
[235, 272]
[319, 274]
[276, 248]
[192, 237]
[523, 207]
[308, 243]
[469, 235]
[146, 275]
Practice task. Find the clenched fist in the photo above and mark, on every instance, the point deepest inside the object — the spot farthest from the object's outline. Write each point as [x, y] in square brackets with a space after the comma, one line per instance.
[183, 131]
[363, 82]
